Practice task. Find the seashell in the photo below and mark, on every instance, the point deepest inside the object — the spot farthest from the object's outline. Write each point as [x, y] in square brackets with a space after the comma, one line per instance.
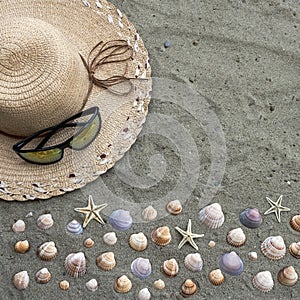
[74, 227]
[110, 238]
[88, 243]
[211, 244]
[231, 264]
[159, 284]
[75, 264]
[47, 251]
[138, 241]
[42, 276]
[189, 288]
[273, 247]
[170, 267]
[92, 285]
[123, 284]
[295, 249]
[45, 221]
[252, 255]
[120, 219]
[141, 267]
[263, 281]
[64, 285]
[288, 276]
[144, 294]
[161, 236]
[251, 218]
[193, 262]
[149, 213]
[216, 277]
[295, 222]
[236, 237]
[21, 280]
[212, 216]
[174, 207]
[106, 261]
[19, 226]
[22, 246]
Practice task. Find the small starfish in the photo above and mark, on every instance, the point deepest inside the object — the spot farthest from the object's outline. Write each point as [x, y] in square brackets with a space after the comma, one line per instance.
[91, 212]
[276, 207]
[188, 236]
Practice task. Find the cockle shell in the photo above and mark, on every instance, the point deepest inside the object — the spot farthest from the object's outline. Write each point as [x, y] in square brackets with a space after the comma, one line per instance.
[251, 218]
[273, 247]
[295, 249]
[75, 264]
[88, 243]
[174, 207]
[193, 262]
[236, 237]
[74, 227]
[110, 238]
[159, 284]
[141, 267]
[106, 261]
[295, 222]
[120, 219]
[42, 276]
[123, 284]
[92, 285]
[64, 285]
[216, 277]
[263, 281]
[288, 276]
[231, 264]
[22, 246]
[252, 255]
[144, 294]
[21, 280]
[45, 221]
[212, 216]
[47, 251]
[19, 226]
[149, 213]
[189, 288]
[170, 267]
[161, 236]
[138, 241]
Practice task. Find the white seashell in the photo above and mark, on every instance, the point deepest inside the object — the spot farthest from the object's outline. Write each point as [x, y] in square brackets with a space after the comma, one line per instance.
[92, 285]
[138, 241]
[149, 213]
[273, 247]
[43, 276]
[21, 280]
[212, 216]
[174, 207]
[252, 255]
[236, 237]
[110, 238]
[47, 251]
[75, 264]
[19, 226]
[159, 284]
[193, 262]
[144, 294]
[263, 281]
[211, 244]
[45, 221]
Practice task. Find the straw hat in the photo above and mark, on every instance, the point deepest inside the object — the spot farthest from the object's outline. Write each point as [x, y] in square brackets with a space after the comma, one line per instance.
[44, 48]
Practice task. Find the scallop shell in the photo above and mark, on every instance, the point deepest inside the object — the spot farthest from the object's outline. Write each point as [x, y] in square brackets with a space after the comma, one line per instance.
[106, 261]
[110, 238]
[45, 221]
[92, 285]
[231, 263]
[189, 288]
[216, 277]
[19, 226]
[64, 285]
[212, 216]
[161, 236]
[295, 249]
[273, 247]
[75, 264]
[170, 267]
[144, 294]
[263, 281]
[22, 246]
[149, 213]
[42, 276]
[288, 276]
[174, 207]
[21, 280]
[193, 262]
[47, 251]
[159, 284]
[138, 241]
[251, 218]
[88, 243]
[252, 255]
[120, 219]
[123, 284]
[74, 227]
[141, 267]
[236, 237]
[295, 222]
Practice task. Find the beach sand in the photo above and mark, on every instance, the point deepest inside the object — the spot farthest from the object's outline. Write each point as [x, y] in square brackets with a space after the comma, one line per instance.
[229, 133]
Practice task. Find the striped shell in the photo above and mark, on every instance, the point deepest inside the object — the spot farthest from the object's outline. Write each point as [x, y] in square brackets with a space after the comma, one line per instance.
[138, 241]
[47, 251]
[273, 247]
[144, 294]
[42, 276]
[288, 276]
[92, 285]
[75, 264]
[263, 281]
[161, 236]
[22, 246]
[251, 218]
[189, 288]
[216, 277]
[170, 267]
[149, 213]
[295, 249]
[64, 285]
[21, 280]
[110, 238]
[106, 261]
[295, 222]
[141, 267]
[236, 237]
[212, 216]
[88, 243]
[19, 226]
[159, 284]
[231, 263]
[74, 227]
[120, 219]
[123, 284]
[174, 207]
[45, 221]
[193, 262]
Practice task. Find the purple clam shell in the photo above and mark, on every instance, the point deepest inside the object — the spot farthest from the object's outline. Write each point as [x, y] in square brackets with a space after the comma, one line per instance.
[120, 219]
[141, 267]
[231, 264]
[74, 227]
[251, 218]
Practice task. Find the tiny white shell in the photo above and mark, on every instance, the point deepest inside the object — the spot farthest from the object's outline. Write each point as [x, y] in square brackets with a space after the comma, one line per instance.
[45, 221]
[149, 213]
[252, 255]
[19, 226]
[110, 238]
[21, 280]
[263, 281]
[144, 294]
[159, 284]
[92, 285]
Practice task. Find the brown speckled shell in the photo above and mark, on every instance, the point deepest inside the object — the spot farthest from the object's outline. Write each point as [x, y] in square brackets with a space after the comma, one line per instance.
[22, 246]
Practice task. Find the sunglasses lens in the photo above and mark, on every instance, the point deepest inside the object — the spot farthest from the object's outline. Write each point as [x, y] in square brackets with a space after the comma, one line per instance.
[43, 156]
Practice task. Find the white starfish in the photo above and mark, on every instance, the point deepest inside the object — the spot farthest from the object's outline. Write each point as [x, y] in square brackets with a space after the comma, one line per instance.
[276, 207]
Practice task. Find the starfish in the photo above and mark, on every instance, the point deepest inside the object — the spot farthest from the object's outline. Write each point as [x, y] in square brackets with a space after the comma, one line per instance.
[276, 207]
[188, 236]
[91, 212]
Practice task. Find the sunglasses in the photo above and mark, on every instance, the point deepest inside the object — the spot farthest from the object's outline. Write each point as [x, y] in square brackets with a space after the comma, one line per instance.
[85, 133]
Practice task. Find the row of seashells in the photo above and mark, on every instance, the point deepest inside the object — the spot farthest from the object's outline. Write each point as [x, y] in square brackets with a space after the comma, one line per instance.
[44, 221]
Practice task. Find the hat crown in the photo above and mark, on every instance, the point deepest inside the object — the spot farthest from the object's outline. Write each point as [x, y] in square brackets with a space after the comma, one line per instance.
[42, 77]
